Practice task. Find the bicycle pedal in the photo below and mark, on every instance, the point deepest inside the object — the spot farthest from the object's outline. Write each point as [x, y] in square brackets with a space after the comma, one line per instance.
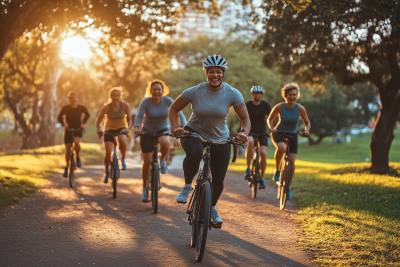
[218, 226]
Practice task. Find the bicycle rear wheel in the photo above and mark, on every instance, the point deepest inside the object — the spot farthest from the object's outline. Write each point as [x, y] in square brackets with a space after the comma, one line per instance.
[71, 170]
[203, 223]
[285, 185]
[254, 179]
[154, 186]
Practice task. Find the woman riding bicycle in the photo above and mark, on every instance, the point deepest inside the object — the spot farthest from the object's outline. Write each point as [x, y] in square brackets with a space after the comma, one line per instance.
[211, 102]
[118, 121]
[155, 107]
[289, 113]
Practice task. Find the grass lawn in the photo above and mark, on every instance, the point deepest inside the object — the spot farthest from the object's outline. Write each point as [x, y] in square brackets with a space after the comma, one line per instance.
[349, 217]
[22, 172]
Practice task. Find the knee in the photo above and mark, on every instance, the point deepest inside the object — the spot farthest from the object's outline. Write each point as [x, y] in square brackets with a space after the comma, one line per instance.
[281, 148]
[291, 161]
[263, 155]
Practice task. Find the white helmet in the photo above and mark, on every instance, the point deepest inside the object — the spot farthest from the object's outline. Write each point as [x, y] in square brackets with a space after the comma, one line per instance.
[215, 61]
[257, 89]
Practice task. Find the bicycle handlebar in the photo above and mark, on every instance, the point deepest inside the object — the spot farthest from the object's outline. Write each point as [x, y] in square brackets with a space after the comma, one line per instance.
[259, 135]
[229, 140]
[292, 134]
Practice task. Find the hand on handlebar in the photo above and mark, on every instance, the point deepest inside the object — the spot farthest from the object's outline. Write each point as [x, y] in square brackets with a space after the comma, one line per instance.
[241, 138]
[180, 131]
[306, 133]
[274, 131]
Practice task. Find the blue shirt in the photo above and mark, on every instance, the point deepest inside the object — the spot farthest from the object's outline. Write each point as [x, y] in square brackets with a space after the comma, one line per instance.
[210, 109]
[156, 119]
[288, 119]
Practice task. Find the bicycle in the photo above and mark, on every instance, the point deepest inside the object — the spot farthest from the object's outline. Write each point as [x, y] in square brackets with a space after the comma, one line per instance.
[114, 168]
[72, 165]
[154, 177]
[284, 168]
[199, 207]
[255, 177]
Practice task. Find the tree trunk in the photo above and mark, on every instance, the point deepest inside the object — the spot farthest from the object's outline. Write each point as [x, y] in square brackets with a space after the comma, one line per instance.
[45, 135]
[382, 135]
[15, 130]
[312, 142]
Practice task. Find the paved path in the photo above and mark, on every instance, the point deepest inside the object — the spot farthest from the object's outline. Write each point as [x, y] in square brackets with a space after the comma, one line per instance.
[59, 226]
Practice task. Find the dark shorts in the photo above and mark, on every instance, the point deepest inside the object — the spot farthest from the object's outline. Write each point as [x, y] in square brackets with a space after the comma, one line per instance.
[68, 137]
[293, 141]
[147, 142]
[109, 138]
[263, 140]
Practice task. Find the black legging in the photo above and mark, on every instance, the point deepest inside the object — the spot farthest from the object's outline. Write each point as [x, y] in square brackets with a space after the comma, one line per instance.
[220, 155]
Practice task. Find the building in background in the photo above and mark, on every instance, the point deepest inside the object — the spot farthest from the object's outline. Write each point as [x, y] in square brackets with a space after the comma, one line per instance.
[232, 19]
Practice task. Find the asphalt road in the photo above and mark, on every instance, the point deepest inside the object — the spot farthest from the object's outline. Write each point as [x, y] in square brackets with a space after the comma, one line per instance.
[60, 226]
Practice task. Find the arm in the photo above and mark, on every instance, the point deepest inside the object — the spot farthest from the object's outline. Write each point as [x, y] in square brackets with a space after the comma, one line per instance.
[272, 116]
[127, 110]
[100, 118]
[85, 119]
[60, 117]
[304, 117]
[173, 111]
[243, 115]
[139, 118]
[182, 118]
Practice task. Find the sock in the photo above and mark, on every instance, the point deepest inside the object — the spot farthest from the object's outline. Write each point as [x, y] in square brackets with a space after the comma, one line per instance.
[144, 190]
[188, 185]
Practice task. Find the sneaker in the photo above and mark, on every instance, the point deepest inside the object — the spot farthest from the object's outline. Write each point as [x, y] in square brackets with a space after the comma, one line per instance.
[78, 162]
[289, 195]
[65, 174]
[276, 176]
[123, 165]
[262, 184]
[145, 195]
[163, 166]
[247, 174]
[106, 176]
[183, 195]
[215, 216]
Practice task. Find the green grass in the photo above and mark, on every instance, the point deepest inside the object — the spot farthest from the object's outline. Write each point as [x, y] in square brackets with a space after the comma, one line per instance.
[21, 172]
[349, 217]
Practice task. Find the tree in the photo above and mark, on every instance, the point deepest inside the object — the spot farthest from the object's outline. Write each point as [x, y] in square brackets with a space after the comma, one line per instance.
[137, 20]
[357, 41]
[327, 109]
[29, 75]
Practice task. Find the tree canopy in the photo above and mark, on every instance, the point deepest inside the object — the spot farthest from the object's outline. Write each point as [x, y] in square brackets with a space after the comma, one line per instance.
[356, 41]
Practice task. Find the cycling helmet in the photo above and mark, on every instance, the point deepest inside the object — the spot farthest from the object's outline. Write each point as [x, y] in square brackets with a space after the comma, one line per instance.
[257, 89]
[215, 61]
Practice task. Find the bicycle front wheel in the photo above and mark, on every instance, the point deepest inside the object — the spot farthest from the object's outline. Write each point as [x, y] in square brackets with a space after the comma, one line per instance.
[114, 172]
[154, 186]
[71, 170]
[254, 179]
[285, 185]
[203, 223]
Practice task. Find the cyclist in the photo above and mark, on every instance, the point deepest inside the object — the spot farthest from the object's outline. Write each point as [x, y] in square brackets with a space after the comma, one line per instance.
[257, 109]
[155, 107]
[211, 102]
[289, 113]
[117, 121]
[73, 119]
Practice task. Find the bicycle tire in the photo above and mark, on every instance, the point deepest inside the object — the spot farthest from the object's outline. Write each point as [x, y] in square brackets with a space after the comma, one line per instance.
[114, 165]
[192, 207]
[254, 180]
[285, 185]
[71, 170]
[203, 223]
[154, 188]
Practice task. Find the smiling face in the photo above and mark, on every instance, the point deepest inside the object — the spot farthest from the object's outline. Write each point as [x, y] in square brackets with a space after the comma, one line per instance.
[256, 96]
[214, 76]
[73, 100]
[115, 96]
[156, 91]
[292, 95]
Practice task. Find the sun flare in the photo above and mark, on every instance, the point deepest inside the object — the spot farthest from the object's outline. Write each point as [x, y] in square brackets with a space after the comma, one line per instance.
[76, 46]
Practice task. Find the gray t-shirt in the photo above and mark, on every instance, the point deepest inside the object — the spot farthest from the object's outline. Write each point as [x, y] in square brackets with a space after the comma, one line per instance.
[156, 119]
[210, 109]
